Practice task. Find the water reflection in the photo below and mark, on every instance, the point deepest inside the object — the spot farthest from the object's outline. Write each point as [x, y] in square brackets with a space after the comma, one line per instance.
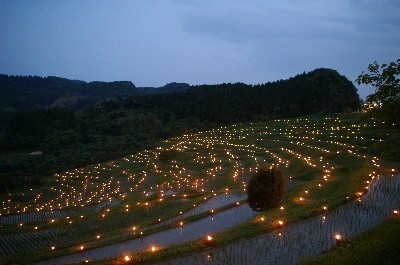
[290, 244]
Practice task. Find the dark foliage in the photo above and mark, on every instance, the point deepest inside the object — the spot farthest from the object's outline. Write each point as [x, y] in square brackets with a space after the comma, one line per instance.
[265, 189]
[24, 92]
[168, 88]
[322, 90]
[114, 127]
[386, 81]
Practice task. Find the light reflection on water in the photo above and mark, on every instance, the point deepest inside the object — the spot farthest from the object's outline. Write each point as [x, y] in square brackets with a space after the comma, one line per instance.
[290, 244]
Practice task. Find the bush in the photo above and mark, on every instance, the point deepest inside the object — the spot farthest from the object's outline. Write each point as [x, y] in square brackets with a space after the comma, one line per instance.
[266, 189]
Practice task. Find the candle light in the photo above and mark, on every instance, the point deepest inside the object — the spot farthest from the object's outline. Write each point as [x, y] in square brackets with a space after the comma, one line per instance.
[338, 238]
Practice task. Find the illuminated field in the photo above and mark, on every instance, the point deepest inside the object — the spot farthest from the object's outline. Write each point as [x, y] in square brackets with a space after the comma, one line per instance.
[329, 159]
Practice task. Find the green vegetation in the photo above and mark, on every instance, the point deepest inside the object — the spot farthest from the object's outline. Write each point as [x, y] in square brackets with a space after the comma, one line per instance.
[265, 189]
[376, 246]
[117, 127]
[386, 80]
[168, 88]
[329, 157]
[25, 92]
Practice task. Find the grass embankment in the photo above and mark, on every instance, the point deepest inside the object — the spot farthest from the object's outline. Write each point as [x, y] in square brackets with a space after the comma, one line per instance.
[379, 245]
[316, 147]
[350, 174]
[114, 226]
[294, 211]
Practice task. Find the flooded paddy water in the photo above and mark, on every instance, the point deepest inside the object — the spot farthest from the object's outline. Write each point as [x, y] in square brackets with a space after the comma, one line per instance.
[196, 174]
[284, 246]
[311, 237]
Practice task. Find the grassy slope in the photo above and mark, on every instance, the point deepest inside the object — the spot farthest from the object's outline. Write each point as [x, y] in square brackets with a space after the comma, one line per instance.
[379, 245]
[348, 177]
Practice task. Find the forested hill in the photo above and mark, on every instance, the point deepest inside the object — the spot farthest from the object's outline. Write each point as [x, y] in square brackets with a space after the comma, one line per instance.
[168, 88]
[322, 90]
[24, 92]
[115, 127]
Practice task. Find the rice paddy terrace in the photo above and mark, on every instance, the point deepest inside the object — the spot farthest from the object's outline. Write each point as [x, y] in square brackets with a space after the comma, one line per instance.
[327, 162]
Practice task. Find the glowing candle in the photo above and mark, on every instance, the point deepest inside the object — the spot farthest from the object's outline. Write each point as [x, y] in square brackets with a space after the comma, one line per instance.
[338, 238]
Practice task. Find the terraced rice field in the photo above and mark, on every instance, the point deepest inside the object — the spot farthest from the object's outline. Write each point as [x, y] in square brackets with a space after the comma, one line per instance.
[327, 161]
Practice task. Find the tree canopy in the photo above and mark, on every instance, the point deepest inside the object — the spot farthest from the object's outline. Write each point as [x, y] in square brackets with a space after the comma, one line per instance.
[265, 189]
[113, 127]
[385, 79]
[24, 92]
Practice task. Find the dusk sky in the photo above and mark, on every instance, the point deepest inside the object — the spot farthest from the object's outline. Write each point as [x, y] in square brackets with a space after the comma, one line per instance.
[154, 42]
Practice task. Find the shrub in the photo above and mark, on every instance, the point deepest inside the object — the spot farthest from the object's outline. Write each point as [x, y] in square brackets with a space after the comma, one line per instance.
[266, 189]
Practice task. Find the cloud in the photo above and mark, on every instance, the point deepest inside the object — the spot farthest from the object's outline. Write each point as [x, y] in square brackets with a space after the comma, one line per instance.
[154, 42]
[377, 21]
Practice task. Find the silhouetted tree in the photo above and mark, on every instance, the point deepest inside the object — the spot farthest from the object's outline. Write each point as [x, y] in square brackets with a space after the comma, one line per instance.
[266, 189]
[386, 80]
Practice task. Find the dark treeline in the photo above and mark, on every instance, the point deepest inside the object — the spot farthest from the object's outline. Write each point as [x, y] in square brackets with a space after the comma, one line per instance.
[322, 90]
[116, 127]
[24, 92]
[168, 88]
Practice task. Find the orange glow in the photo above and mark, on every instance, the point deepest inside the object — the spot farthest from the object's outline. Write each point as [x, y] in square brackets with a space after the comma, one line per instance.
[127, 258]
[209, 238]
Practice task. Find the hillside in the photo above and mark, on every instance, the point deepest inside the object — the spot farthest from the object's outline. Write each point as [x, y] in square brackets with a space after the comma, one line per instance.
[168, 88]
[116, 127]
[197, 178]
[24, 92]
[322, 90]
